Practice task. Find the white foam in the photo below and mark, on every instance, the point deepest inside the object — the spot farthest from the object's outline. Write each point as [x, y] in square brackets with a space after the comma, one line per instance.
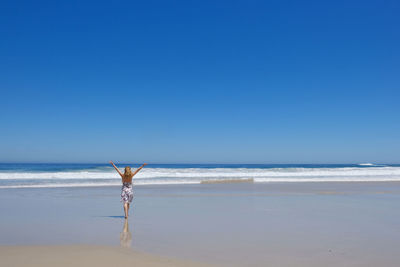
[327, 179]
[208, 173]
[58, 185]
[163, 176]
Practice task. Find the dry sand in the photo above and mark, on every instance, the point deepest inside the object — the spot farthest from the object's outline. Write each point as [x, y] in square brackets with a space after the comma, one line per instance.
[82, 255]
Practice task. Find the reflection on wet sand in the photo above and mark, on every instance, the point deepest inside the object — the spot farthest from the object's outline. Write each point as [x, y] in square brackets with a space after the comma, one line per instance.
[125, 237]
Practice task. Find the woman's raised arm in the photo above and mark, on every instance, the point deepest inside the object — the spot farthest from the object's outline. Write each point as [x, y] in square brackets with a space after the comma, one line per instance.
[115, 167]
[141, 167]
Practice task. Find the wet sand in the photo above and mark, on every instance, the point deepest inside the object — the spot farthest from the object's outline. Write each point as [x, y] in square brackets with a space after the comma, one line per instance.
[239, 224]
[82, 256]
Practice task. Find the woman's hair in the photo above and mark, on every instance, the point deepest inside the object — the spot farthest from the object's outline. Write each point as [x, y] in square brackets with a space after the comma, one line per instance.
[128, 172]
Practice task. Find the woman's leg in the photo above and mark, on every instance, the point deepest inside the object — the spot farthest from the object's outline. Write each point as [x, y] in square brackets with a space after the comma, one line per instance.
[126, 209]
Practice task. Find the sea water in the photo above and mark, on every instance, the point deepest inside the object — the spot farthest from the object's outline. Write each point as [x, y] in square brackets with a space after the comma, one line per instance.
[87, 175]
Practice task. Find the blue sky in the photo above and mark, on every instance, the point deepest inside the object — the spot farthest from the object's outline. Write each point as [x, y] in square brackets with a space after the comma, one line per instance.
[200, 81]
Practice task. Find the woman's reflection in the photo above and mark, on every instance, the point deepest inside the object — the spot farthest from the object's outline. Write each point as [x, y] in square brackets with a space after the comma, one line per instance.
[125, 237]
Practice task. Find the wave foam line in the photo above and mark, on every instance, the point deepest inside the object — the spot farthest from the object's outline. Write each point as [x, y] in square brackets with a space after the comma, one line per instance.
[97, 184]
[201, 173]
[329, 179]
[183, 182]
[226, 181]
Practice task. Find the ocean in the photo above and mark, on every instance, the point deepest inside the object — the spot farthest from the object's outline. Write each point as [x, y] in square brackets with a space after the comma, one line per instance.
[90, 175]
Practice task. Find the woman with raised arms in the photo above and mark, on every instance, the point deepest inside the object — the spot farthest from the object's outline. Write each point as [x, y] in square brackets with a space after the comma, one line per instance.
[126, 190]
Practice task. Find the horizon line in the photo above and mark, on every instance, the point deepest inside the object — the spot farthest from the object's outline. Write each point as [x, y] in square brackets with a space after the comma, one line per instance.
[215, 163]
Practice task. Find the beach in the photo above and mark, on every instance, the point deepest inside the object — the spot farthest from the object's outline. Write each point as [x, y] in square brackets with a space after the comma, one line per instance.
[236, 133]
[222, 224]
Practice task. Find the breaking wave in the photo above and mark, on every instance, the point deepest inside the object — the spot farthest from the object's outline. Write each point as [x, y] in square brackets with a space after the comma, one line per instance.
[165, 176]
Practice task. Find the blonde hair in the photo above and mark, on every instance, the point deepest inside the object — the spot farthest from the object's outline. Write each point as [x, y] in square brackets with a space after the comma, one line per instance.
[128, 172]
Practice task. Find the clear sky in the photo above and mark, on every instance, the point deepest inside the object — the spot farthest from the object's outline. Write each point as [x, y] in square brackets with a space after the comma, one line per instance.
[200, 81]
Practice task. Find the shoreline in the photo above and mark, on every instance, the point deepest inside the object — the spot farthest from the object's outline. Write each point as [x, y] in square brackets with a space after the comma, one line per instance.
[205, 183]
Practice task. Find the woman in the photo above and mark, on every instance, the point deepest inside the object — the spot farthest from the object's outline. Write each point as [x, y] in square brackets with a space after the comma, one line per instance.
[126, 191]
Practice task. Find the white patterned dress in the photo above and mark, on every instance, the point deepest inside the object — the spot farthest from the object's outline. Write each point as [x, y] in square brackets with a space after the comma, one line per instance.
[126, 193]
